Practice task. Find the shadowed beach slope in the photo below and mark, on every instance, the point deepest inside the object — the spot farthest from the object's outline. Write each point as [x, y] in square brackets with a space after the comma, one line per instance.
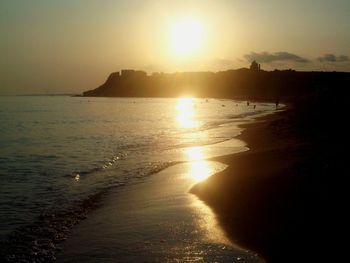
[279, 198]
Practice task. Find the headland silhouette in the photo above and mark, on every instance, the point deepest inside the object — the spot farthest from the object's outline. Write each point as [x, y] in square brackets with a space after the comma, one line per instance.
[244, 83]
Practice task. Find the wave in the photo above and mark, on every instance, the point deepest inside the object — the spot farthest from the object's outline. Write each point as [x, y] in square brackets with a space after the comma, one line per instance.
[116, 165]
[38, 241]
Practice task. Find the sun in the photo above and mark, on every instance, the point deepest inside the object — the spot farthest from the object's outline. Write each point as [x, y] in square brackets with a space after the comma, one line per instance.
[186, 37]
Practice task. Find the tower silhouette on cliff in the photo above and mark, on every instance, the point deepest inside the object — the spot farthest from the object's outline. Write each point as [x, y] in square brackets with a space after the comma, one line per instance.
[255, 66]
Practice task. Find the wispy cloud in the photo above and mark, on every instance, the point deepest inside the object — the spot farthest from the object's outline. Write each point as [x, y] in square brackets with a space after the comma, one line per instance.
[333, 58]
[266, 57]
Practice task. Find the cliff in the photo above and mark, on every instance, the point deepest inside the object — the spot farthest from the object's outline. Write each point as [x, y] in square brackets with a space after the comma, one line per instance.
[240, 83]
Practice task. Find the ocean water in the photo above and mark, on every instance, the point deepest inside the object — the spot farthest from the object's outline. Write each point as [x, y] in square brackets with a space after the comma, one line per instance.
[56, 151]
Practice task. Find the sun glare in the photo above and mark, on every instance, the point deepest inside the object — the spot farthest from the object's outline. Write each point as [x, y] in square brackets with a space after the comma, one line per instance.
[186, 36]
[199, 168]
[185, 115]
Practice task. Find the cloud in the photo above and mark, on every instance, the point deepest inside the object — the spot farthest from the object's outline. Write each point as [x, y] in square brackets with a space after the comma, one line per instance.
[266, 57]
[333, 58]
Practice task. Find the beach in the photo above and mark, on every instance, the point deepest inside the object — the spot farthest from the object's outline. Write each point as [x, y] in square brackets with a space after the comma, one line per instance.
[256, 208]
[174, 131]
[260, 205]
[120, 181]
[154, 221]
[259, 192]
[275, 199]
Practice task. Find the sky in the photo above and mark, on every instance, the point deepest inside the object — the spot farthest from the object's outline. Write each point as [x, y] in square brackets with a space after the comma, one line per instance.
[68, 46]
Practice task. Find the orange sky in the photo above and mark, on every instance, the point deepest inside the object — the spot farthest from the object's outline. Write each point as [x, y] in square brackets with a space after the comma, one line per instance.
[71, 46]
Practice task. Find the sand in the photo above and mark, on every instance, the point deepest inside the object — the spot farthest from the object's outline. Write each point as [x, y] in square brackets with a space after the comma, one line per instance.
[155, 220]
[273, 199]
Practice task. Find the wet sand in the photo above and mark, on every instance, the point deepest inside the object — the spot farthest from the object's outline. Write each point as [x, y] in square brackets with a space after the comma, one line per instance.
[274, 198]
[156, 220]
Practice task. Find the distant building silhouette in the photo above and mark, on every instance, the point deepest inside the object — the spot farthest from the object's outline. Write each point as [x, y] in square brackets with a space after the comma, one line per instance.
[125, 73]
[255, 66]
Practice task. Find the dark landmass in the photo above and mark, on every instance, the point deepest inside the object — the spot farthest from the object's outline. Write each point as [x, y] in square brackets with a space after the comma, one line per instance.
[285, 197]
[253, 84]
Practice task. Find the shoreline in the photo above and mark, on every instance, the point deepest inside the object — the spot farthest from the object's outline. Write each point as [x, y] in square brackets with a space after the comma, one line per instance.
[269, 198]
[172, 193]
[266, 209]
[64, 222]
[157, 220]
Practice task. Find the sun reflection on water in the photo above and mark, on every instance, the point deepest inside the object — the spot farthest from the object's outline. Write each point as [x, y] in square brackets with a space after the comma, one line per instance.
[194, 153]
[199, 169]
[186, 114]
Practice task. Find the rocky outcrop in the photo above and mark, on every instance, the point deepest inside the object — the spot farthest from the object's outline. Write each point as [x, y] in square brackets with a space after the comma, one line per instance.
[239, 84]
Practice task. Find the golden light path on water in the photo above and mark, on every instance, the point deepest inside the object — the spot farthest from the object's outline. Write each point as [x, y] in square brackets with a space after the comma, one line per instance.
[186, 115]
[186, 118]
[199, 169]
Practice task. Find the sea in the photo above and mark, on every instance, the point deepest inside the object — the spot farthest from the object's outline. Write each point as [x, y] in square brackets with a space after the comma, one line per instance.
[57, 151]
